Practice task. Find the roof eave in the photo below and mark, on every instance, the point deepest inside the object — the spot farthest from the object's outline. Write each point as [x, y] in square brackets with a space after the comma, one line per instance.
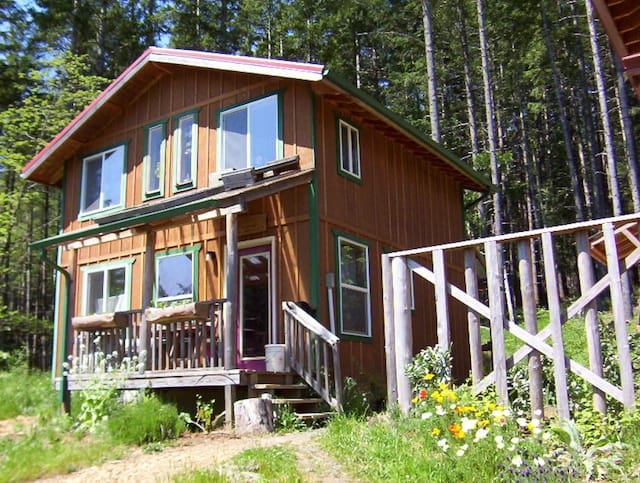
[480, 182]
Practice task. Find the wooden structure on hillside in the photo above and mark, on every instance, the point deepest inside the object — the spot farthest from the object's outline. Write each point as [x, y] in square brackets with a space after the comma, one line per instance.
[202, 191]
[621, 21]
[614, 242]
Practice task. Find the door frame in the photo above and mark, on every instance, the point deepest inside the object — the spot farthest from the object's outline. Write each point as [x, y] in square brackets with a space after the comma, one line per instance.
[269, 243]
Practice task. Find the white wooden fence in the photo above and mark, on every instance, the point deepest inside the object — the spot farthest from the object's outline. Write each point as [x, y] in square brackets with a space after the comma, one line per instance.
[614, 242]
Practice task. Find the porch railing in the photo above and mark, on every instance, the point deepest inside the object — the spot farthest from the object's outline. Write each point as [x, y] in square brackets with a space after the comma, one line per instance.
[313, 353]
[614, 242]
[180, 344]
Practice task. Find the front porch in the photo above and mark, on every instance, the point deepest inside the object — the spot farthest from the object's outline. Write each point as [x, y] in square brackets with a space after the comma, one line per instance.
[184, 347]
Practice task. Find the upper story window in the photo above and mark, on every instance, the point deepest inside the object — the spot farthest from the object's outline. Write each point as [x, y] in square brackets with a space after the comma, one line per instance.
[103, 179]
[251, 134]
[354, 287]
[154, 154]
[107, 287]
[177, 276]
[349, 150]
[185, 150]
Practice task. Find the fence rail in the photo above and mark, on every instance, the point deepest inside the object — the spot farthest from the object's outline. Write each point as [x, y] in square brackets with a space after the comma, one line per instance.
[613, 242]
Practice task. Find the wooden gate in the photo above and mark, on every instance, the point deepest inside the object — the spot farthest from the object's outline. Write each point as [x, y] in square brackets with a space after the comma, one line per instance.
[614, 242]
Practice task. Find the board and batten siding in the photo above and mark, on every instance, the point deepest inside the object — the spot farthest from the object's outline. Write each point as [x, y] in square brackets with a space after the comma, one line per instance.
[403, 201]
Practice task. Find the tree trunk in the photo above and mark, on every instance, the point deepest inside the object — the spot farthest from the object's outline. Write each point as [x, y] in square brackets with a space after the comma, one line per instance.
[491, 125]
[468, 81]
[431, 71]
[576, 184]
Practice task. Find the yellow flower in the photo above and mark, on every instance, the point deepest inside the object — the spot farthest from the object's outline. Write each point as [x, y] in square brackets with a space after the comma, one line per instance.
[414, 400]
[443, 386]
[435, 432]
[428, 376]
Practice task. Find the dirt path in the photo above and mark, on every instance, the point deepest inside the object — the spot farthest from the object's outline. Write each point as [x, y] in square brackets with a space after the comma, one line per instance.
[210, 451]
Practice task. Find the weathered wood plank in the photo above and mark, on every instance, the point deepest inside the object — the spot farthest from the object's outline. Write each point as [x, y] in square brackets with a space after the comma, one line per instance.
[587, 279]
[473, 319]
[403, 332]
[497, 319]
[442, 305]
[620, 320]
[389, 329]
[525, 268]
[231, 276]
[555, 322]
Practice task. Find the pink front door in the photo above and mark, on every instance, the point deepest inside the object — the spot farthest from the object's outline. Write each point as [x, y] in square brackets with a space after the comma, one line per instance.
[254, 306]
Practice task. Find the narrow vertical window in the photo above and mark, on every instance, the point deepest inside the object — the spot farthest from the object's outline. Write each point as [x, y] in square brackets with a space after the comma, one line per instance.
[354, 291]
[185, 144]
[154, 160]
[349, 149]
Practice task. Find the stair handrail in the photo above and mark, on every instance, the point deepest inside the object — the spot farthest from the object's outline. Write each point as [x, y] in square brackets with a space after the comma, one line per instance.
[303, 318]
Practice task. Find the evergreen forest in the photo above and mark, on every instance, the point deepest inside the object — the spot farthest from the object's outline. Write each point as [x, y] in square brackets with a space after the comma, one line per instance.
[528, 92]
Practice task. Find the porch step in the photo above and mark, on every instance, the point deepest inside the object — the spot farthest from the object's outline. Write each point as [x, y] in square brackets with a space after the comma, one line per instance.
[276, 387]
[319, 416]
[305, 400]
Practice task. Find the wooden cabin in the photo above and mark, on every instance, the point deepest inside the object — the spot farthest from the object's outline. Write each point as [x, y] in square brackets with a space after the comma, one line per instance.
[204, 193]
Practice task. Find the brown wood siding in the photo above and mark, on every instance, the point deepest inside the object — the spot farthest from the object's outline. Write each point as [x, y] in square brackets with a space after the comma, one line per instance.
[403, 201]
[183, 90]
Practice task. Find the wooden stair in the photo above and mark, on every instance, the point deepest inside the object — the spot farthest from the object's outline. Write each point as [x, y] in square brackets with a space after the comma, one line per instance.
[286, 388]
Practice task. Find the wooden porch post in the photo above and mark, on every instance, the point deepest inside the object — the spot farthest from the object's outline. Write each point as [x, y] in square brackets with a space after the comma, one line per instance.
[587, 280]
[147, 293]
[475, 345]
[619, 315]
[402, 328]
[389, 337]
[495, 288]
[531, 323]
[229, 331]
[442, 304]
[555, 322]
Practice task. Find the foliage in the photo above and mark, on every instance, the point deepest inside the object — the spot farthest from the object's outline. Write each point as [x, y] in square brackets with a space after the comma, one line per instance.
[286, 420]
[145, 421]
[24, 392]
[432, 364]
[201, 476]
[356, 402]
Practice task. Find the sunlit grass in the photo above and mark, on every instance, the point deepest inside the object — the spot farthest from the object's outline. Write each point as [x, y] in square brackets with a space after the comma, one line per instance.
[26, 393]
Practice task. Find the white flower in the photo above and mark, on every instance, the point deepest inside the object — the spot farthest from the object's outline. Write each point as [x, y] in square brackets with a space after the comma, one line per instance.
[522, 422]
[468, 425]
[537, 412]
[517, 460]
[460, 452]
[464, 447]
[536, 431]
[538, 461]
[452, 407]
[481, 434]
[546, 436]
[427, 415]
[535, 422]
[444, 444]
[515, 440]
[511, 448]
[498, 439]
[440, 411]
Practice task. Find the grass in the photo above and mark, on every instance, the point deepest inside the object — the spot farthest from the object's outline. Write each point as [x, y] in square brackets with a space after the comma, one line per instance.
[26, 393]
[276, 463]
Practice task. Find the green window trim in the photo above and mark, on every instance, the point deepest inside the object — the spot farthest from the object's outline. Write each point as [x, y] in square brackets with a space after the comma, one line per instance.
[222, 164]
[194, 251]
[341, 239]
[181, 146]
[103, 206]
[348, 144]
[105, 268]
[158, 129]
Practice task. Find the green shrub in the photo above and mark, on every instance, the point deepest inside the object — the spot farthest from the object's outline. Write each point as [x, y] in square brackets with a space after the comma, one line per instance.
[148, 420]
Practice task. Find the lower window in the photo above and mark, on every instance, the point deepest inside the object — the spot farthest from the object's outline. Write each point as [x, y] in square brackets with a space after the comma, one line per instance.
[354, 288]
[176, 276]
[107, 288]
